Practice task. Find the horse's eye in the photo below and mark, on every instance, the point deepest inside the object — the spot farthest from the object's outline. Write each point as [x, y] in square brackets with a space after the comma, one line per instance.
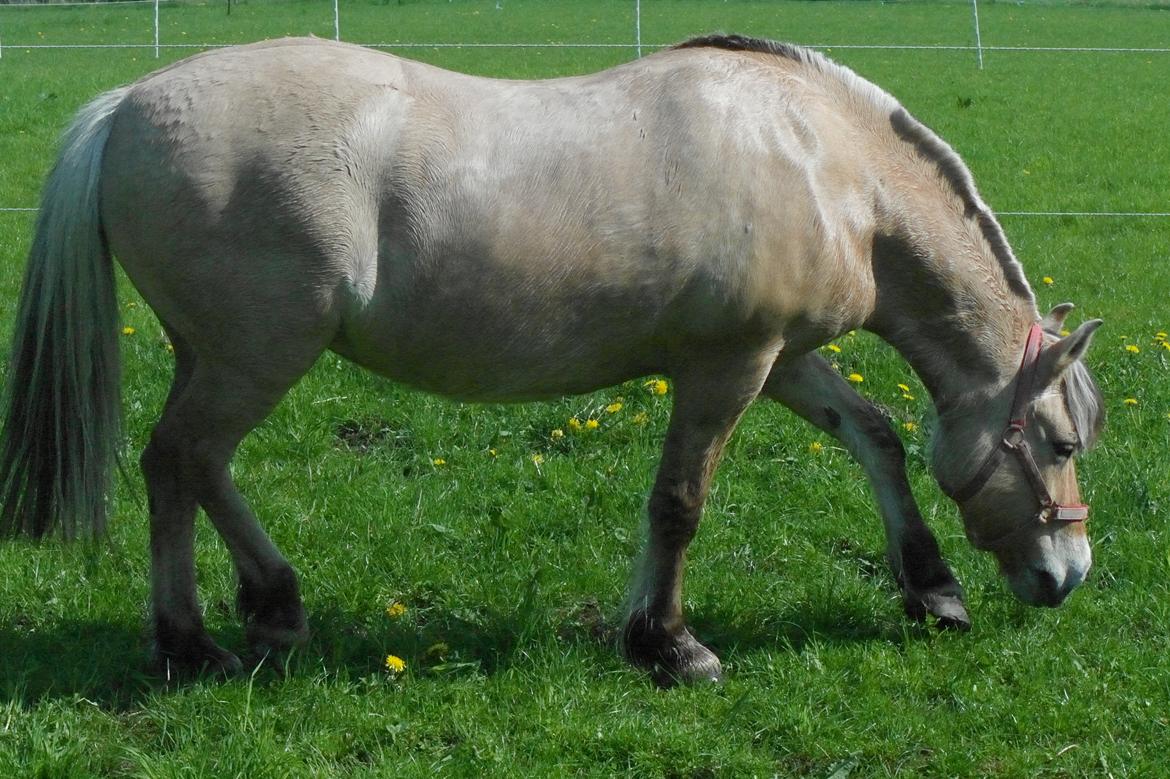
[1063, 449]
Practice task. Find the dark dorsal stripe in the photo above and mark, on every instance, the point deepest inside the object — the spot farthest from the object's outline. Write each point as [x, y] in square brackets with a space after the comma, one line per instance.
[744, 43]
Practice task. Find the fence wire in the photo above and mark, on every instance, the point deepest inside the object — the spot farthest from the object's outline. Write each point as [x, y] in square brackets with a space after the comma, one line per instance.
[637, 44]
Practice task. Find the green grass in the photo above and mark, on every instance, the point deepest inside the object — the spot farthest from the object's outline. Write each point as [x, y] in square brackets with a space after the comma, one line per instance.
[519, 570]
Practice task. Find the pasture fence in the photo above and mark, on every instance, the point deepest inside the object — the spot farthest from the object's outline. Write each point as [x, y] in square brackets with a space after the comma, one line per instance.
[636, 44]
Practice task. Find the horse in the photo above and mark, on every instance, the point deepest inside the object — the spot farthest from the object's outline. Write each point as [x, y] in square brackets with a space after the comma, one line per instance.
[714, 213]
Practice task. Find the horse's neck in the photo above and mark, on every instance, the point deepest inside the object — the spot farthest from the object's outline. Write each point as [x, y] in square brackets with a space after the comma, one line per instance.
[944, 304]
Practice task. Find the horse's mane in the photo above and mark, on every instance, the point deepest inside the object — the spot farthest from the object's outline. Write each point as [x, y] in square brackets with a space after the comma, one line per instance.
[1085, 404]
[924, 140]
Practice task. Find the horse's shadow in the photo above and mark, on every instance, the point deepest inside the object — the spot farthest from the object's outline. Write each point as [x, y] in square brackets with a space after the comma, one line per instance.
[107, 662]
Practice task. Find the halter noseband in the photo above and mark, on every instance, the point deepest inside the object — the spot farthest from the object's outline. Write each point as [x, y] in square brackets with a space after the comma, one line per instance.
[1014, 442]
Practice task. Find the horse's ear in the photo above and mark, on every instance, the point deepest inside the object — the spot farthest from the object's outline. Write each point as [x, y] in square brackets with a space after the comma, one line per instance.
[1055, 359]
[1055, 319]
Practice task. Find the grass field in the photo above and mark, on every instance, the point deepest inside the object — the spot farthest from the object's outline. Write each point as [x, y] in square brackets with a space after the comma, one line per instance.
[511, 556]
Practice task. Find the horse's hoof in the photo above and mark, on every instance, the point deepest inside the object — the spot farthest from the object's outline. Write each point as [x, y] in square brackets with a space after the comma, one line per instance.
[948, 609]
[263, 638]
[200, 656]
[671, 656]
[273, 614]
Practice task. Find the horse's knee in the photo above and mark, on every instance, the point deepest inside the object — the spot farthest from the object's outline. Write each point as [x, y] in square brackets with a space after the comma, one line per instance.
[675, 511]
[875, 429]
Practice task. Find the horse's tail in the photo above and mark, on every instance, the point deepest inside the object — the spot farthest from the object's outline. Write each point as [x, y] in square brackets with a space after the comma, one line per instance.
[62, 404]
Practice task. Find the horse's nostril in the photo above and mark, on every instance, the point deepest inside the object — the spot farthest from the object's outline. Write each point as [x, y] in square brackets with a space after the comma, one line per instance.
[1051, 593]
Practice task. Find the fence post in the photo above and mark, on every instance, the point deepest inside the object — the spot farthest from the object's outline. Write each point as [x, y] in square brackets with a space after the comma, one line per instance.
[336, 21]
[156, 29]
[978, 36]
[638, 26]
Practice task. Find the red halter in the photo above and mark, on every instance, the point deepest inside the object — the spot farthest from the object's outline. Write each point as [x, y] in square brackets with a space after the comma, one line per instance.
[1013, 441]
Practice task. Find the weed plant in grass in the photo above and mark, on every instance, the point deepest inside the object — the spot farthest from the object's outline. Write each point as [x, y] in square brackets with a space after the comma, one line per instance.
[507, 546]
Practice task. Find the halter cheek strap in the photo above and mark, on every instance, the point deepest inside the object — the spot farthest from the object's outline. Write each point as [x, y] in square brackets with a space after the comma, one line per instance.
[1014, 442]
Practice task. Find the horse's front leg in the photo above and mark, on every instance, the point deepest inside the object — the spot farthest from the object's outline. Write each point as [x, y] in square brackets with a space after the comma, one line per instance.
[710, 396]
[814, 390]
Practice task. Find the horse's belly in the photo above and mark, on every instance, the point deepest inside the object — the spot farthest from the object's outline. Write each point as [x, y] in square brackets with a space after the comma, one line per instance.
[461, 355]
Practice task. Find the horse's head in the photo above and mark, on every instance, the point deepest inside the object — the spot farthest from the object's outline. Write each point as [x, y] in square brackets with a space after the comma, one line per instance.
[1008, 462]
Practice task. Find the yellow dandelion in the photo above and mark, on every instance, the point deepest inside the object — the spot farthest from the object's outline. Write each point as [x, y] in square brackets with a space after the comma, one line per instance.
[1130, 401]
[395, 664]
[591, 424]
[640, 418]
[438, 462]
[574, 424]
[856, 378]
[1132, 348]
[128, 330]
[557, 434]
[1160, 336]
[907, 396]
[909, 427]
[613, 408]
[494, 452]
[657, 386]
[904, 387]
[1048, 280]
[1166, 345]
[833, 348]
[1065, 332]
[395, 610]
[170, 347]
[538, 459]
[815, 447]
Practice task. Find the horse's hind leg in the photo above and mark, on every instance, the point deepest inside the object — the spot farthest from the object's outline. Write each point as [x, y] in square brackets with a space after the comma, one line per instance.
[211, 408]
[179, 635]
[814, 390]
[709, 398]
